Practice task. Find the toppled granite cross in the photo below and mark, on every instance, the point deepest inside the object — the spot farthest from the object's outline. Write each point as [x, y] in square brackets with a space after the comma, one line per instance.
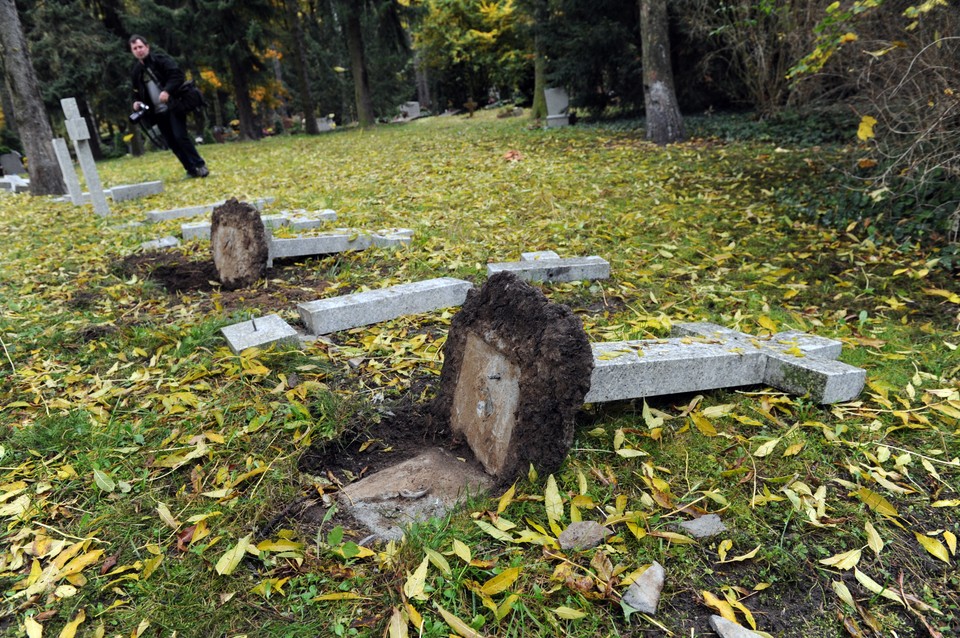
[705, 356]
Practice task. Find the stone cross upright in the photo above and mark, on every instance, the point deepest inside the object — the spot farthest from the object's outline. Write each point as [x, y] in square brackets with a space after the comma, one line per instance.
[80, 135]
[705, 356]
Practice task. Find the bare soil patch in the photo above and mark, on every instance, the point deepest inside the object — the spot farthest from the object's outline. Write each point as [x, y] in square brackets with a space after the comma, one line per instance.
[286, 284]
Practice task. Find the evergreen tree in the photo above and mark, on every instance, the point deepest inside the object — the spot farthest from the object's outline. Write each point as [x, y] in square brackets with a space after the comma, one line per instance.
[32, 122]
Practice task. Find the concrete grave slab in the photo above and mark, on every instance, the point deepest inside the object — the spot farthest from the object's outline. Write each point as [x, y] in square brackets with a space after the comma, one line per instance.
[124, 192]
[260, 333]
[555, 270]
[364, 308]
[155, 216]
[296, 220]
[15, 183]
[426, 486]
[302, 220]
[538, 255]
[238, 242]
[388, 237]
[516, 369]
[158, 244]
[708, 357]
[339, 241]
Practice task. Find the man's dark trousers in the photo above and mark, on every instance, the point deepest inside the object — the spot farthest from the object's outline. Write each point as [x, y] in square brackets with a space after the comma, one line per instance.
[173, 127]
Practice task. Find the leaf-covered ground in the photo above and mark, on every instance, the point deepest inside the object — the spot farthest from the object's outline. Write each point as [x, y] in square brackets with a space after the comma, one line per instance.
[149, 477]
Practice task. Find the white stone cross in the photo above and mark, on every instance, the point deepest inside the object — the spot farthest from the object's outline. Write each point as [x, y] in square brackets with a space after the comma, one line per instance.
[705, 356]
[69, 174]
[80, 136]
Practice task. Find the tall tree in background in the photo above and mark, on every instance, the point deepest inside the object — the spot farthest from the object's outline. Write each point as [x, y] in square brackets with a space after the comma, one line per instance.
[233, 34]
[594, 51]
[32, 122]
[300, 65]
[353, 28]
[75, 56]
[664, 123]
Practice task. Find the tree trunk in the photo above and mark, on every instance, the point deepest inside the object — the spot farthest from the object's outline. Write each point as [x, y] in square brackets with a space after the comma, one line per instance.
[6, 102]
[301, 66]
[358, 67]
[539, 108]
[664, 123]
[28, 109]
[241, 95]
[422, 80]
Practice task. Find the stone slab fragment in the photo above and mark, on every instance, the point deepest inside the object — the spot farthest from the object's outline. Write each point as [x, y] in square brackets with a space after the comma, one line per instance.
[709, 357]
[364, 308]
[634, 369]
[124, 192]
[296, 220]
[539, 254]
[155, 216]
[157, 244]
[704, 527]
[556, 270]
[644, 593]
[389, 237]
[426, 486]
[260, 333]
[300, 219]
[729, 629]
[337, 241]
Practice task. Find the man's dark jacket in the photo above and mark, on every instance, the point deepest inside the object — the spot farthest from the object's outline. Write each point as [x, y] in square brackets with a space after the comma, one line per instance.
[168, 74]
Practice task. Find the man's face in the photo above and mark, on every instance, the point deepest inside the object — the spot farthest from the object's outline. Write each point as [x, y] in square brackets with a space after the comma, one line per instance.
[140, 49]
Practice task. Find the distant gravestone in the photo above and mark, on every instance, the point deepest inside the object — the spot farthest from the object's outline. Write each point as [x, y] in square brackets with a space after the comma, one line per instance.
[239, 244]
[516, 369]
[558, 104]
[11, 164]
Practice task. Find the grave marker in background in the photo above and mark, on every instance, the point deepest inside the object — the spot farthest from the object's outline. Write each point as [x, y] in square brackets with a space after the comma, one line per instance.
[558, 104]
[80, 136]
[69, 172]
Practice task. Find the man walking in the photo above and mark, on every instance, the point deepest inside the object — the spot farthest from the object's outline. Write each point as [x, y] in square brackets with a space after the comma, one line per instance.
[156, 77]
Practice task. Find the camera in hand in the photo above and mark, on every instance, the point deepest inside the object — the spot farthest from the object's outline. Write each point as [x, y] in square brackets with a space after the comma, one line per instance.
[136, 115]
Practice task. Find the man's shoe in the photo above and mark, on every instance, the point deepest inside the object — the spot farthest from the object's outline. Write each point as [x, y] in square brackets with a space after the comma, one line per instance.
[203, 171]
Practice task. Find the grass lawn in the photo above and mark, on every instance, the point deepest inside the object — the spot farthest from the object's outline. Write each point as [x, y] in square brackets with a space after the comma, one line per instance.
[150, 482]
